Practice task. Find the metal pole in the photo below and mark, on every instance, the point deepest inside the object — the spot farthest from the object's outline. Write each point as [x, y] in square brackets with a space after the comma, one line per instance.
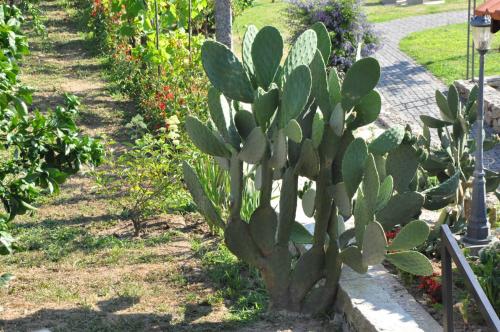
[447, 276]
[468, 41]
[473, 48]
[157, 26]
[190, 32]
[477, 227]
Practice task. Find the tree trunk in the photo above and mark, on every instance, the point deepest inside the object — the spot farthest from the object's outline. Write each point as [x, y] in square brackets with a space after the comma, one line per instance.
[223, 22]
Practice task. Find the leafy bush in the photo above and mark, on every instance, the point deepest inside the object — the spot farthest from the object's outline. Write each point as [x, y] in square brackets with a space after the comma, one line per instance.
[346, 24]
[146, 178]
[487, 271]
[39, 150]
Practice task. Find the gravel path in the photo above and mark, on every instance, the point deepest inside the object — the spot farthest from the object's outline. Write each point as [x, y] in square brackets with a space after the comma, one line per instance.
[407, 87]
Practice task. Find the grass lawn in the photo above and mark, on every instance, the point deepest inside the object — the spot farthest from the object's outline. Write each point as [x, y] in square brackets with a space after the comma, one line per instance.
[443, 51]
[264, 12]
[377, 12]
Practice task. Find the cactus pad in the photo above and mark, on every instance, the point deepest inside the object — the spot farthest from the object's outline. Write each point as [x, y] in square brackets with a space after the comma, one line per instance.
[360, 79]
[225, 71]
[353, 165]
[410, 236]
[254, 148]
[324, 42]
[387, 141]
[352, 257]
[265, 105]
[412, 262]
[295, 94]
[205, 139]
[267, 50]
[400, 209]
[246, 51]
[308, 202]
[293, 131]
[374, 244]
[302, 52]
[263, 224]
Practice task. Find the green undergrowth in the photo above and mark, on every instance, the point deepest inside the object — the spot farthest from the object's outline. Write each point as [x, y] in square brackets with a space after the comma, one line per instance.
[238, 285]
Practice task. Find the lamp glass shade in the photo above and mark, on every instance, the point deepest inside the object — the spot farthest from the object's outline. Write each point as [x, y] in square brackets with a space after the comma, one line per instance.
[482, 37]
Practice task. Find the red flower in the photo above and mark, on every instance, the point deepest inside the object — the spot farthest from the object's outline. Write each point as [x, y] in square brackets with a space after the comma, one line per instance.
[162, 106]
[432, 287]
[170, 96]
[166, 88]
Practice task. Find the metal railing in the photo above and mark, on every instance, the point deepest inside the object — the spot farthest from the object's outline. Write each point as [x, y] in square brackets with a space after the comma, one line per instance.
[450, 251]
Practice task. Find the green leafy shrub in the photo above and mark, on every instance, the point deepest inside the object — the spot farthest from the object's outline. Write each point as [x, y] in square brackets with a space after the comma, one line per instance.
[146, 178]
[487, 271]
[290, 120]
[39, 150]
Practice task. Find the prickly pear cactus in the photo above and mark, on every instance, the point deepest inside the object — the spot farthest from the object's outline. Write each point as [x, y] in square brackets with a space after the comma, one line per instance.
[451, 160]
[296, 120]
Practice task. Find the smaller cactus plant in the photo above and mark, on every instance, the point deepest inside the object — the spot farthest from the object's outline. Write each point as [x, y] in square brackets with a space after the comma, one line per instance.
[294, 121]
[452, 161]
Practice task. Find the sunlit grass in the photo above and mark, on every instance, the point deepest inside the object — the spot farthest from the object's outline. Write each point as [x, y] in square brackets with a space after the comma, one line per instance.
[377, 12]
[443, 51]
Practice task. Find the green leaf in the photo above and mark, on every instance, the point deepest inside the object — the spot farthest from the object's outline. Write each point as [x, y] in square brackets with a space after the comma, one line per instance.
[445, 193]
[453, 101]
[295, 94]
[412, 262]
[293, 131]
[353, 165]
[318, 128]
[402, 164]
[324, 42]
[203, 203]
[351, 256]
[300, 234]
[225, 71]
[246, 51]
[432, 122]
[410, 236]
[255, 147]
[387, 141]
[308, 200]
[374, 244]
[334, 87]
[360, 80]
[245, 123]
[263, 225]
[301, 53]
[385, 193]
[371, 184]
[367, 110]
[337, 120]
[400, 209]
[444, 110]
[267, 50]
[265, 105]
[205, 139]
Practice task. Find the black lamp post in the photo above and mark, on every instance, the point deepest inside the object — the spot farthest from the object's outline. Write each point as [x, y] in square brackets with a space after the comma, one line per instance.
[477, 226]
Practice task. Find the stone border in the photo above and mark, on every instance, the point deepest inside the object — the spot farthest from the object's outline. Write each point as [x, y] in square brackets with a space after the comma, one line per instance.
[491, 102]
[377, 301]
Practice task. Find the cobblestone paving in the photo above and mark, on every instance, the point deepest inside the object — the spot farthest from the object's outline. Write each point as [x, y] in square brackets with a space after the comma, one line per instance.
[408, 88]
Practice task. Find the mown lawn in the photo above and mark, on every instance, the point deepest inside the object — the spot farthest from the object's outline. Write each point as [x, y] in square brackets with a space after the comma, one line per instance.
[264, 12]
[377, 12]
[443, 51]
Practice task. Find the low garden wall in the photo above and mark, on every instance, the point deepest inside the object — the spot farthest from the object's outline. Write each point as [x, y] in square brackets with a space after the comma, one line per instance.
[491, 102]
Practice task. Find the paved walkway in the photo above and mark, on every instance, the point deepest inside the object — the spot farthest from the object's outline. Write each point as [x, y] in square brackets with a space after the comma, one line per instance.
[407, 87]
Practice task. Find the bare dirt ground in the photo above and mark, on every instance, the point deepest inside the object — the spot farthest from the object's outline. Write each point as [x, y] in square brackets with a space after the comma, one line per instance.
[78, 268]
